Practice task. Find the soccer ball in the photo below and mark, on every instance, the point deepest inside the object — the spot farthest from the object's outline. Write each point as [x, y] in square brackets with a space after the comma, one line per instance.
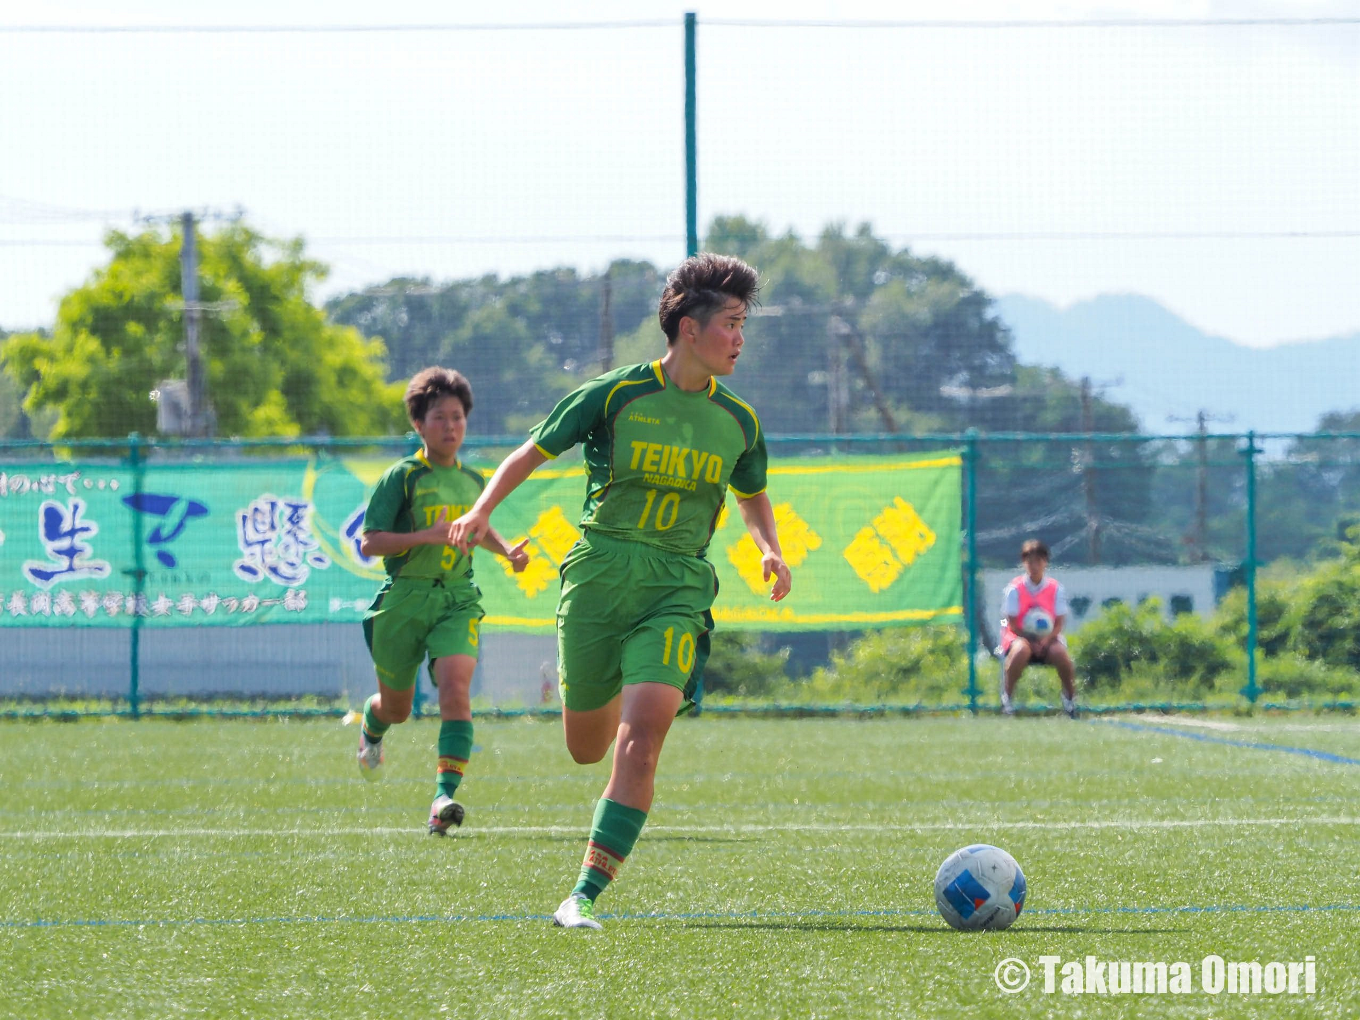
[1037, 623]
[980, 886]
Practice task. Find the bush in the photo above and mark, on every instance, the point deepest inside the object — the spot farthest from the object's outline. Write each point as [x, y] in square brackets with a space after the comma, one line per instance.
[737, 667]
[1324, 622]
[1272, 617]
[901, 665]
[1122, 641]
[1290, 676]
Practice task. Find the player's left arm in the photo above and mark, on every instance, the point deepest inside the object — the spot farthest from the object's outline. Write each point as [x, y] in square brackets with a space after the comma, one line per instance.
[758, 515]
[518, 558]
[493, 541]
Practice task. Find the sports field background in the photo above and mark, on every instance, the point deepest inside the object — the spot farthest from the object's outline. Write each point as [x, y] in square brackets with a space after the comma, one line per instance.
[228, 868]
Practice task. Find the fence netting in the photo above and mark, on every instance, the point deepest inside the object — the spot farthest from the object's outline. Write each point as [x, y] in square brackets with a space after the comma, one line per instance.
[229, 575]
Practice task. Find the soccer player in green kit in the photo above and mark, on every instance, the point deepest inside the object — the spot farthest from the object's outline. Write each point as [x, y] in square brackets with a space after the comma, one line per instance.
[429, 604]
[663, 442]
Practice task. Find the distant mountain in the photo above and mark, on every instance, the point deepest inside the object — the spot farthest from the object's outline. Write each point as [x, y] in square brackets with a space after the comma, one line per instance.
[1166, 367]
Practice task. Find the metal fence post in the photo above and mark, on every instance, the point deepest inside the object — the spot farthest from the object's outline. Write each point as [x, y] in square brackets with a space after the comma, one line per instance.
[1249, 569]
[970, 575]
[691, 142]
[138, 574]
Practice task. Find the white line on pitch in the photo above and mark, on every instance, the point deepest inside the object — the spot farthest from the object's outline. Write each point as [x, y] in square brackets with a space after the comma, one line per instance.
[698, 830]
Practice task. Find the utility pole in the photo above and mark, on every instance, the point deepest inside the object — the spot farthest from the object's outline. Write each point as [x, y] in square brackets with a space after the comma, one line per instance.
[607, 324]
[198, 419]
[837, 392]
[1199, 537]
[197, 384]
[1088, 475]
[1202, 489]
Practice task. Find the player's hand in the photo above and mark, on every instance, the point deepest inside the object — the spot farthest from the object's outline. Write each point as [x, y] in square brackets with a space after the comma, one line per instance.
[773, 565]
[438, 532]
[468, 530]
[519, 559]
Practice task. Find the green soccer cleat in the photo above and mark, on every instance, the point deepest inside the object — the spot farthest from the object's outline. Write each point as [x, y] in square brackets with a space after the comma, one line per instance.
[576, 911]
[445, 812]
[370, 756]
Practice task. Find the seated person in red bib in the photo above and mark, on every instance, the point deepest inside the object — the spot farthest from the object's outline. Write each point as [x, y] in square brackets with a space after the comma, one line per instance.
[1033, 610]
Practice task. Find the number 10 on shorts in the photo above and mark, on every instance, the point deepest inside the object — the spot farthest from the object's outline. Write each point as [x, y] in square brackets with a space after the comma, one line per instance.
[684, 654]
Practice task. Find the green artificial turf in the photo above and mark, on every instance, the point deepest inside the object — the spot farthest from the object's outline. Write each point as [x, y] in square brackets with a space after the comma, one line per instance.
[243, 869]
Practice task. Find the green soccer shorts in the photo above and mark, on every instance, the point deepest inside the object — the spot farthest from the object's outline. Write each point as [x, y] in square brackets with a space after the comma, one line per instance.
[630, 614]
[415, 617]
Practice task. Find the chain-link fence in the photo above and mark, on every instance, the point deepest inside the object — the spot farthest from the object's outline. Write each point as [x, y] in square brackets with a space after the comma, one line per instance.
[1198, 569]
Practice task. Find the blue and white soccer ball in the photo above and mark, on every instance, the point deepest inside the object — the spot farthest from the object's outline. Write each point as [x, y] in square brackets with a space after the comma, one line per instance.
[980, 886]
[1037, 623]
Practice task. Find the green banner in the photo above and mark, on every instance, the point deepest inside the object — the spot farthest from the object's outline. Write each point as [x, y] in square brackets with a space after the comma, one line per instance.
[872, 541]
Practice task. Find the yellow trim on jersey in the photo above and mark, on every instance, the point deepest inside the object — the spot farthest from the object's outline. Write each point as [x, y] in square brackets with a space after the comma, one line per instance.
[749, 410]
[550, 456]
[660, 375]
[617, 387]
[742, 495]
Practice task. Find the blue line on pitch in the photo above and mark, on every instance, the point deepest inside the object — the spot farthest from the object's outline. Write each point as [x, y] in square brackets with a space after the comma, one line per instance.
[750, 915]
[1339, 759]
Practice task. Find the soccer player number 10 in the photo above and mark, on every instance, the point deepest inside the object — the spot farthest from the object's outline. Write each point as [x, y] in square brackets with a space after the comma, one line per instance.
[684, 655]
[670, 504]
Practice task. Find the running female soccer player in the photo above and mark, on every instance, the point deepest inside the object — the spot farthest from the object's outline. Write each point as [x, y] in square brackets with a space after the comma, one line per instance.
[663, 442]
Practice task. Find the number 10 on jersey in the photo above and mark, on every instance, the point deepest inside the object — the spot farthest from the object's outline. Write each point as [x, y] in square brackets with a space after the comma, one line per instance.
[666, 511]
[684, 653]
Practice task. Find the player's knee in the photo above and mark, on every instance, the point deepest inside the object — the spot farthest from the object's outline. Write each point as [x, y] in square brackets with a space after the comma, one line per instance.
[641, 753]
[586, 755]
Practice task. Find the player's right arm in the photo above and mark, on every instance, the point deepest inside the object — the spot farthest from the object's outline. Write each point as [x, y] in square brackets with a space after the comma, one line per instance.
[394, 543]
[474, 525]
[388, 508]
[570, 422]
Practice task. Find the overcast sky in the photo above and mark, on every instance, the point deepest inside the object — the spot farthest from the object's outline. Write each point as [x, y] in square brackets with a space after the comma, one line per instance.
[1215, 168]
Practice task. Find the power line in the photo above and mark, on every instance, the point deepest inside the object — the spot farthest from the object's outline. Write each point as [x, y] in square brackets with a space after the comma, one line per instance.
[560, 26]
[551, 26]
[437, 239]
[1044, 23]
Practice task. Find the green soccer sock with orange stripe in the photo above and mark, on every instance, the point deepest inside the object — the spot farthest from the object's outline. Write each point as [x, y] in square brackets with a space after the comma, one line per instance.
[612, 835]
[455, 748]
[373, 726]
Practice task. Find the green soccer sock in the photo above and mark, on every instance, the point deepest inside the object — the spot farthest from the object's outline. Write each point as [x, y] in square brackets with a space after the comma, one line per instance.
[612, 835]
[455, 748]
[372, 726]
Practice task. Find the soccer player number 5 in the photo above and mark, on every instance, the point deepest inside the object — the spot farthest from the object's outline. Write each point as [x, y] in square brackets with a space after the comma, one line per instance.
[684, 655]
[666, 511]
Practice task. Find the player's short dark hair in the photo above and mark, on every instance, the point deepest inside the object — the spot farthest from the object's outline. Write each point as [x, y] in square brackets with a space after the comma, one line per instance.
[701, 286]
[432, 384]
[1033, 547]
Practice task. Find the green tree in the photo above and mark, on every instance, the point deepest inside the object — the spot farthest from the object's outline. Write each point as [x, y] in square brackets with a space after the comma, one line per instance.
[274, 365]
[522, 341]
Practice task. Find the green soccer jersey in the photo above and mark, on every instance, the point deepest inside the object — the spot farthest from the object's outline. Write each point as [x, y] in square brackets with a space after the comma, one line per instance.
[409, 497]
[659, 460]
